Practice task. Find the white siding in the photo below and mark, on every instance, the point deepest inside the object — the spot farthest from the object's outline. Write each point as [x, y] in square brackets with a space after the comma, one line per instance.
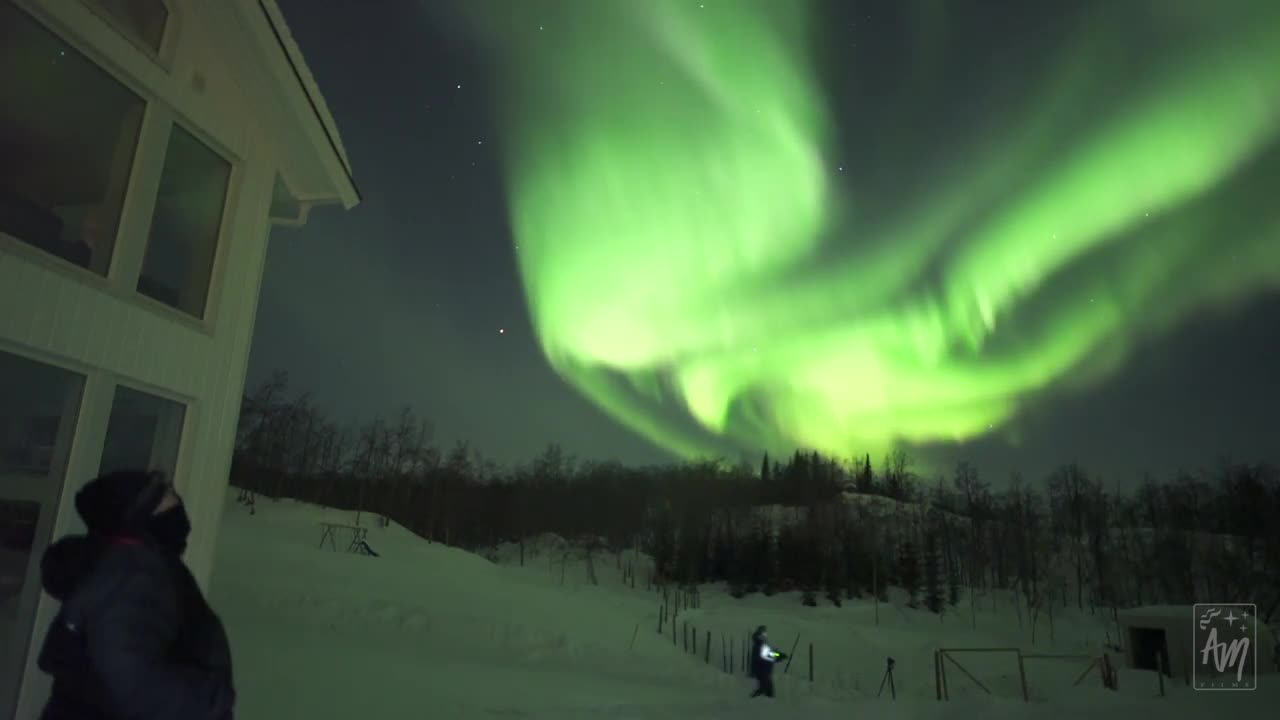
[132, 340]
[54, 312]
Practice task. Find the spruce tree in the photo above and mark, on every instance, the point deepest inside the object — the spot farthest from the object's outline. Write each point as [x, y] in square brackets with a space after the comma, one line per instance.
[932, 572]
[837, 571]
[865, 482]
[854, 566]
[770, 579]
[881, 565]
[909, 572]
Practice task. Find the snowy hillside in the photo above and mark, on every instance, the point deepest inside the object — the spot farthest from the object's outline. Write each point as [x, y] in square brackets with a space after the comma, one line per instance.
[430, 631]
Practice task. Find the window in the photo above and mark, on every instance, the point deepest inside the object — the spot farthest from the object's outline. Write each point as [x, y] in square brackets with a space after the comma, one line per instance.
[68, 132]
[184, 229]
[39, 405]
[144, 432]
[142, 21]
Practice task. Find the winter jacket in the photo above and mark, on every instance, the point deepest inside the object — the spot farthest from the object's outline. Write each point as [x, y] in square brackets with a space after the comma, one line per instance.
[762, 657]
[134, 638]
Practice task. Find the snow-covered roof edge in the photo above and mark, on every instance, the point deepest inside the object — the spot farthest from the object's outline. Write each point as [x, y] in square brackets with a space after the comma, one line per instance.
[1178, 613]
[318, 107]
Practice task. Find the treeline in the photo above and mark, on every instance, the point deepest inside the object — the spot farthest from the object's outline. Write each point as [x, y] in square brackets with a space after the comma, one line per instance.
[831, 528]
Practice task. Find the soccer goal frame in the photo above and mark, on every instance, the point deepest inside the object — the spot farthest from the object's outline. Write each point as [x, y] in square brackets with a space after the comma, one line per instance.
[942, 656]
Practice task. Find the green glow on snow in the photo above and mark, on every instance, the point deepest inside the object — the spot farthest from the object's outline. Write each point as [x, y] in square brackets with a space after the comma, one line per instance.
[694, 265]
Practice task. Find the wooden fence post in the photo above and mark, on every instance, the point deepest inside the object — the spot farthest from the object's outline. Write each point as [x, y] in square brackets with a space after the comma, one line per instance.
[792, 654]
[942, 674]
[633, 637]
[875, 585]
[810, 662]
[732, 654]
[1160, 671]
[684, 634]
[1022, 675]
[662, 614]
[937, 675]
[707, 648]
[694, 643]
[1109, 676]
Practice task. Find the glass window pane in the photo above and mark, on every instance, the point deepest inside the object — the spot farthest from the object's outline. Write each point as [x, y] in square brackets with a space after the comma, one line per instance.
[38, 409]
[141, 20]
[68, 132]
[18, 520]
[143, 433]
[184, 229]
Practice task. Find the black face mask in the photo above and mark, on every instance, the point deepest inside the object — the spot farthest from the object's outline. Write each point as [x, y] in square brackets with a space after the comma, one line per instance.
[171, 528]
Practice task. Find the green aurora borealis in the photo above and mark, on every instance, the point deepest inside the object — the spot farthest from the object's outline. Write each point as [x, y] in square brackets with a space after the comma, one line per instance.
[700, 264]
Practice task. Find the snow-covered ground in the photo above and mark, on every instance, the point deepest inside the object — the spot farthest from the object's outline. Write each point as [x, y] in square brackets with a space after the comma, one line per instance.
[431, 631]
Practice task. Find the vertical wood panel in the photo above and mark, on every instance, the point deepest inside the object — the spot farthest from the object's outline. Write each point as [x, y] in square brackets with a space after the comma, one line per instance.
[241, 275]
[17, 290]
[51, 335]
[39, 308]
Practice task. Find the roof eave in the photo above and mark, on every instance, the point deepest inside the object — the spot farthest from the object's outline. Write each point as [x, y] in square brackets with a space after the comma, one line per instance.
[299, 91]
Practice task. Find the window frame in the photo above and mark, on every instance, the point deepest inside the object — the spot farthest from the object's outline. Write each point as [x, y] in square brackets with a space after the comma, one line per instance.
[190, 408]
[162, 56]
[93, 375]
[51, 510]
[85, 447]
[142, 187]
[63, 364]
[206, 321]
[20, 247]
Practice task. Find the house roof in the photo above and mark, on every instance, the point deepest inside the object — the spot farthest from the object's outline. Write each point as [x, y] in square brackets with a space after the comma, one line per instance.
[300, 93]
[1164, 613]
[308, 82]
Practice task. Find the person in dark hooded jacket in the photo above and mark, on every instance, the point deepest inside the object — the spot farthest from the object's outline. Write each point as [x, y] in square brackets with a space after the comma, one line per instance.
[135, 637]
[762, 659]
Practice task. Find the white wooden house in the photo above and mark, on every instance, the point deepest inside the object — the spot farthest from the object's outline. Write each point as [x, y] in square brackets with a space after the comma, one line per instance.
[146, 148]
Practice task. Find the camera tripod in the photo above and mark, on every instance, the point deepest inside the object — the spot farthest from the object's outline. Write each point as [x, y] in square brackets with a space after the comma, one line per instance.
[888, 678]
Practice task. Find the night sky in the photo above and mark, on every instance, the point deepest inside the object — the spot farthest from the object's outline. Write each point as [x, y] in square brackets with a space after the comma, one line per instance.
[1015, 233]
